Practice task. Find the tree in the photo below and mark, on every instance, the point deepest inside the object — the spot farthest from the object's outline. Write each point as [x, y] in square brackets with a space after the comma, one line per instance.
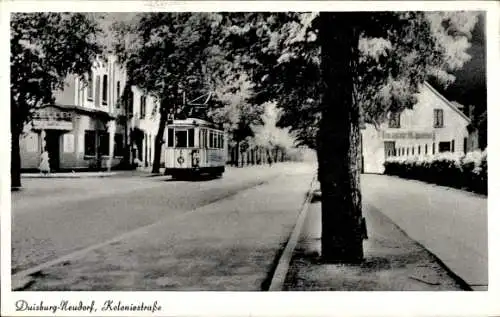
[232, 107]
[45, 49]
[165, 55]
[268, 135]
[333, 71]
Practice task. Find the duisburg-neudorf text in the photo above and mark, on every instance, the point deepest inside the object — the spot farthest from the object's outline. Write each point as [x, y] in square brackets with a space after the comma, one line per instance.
[82, 306]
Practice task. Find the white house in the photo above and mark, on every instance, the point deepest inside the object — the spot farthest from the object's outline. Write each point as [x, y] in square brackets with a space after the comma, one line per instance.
[433, 125]
[90, 124]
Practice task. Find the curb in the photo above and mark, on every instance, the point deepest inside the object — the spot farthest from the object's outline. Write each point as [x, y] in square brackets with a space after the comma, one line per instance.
[281, 270]
[76, 175]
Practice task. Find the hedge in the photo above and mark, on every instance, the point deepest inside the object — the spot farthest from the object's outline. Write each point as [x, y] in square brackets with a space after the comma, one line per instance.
[468, 171]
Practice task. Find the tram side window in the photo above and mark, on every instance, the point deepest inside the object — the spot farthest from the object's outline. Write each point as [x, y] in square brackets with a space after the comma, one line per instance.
[205, 141]
[211, 139]
[190, 138]
[170, 137]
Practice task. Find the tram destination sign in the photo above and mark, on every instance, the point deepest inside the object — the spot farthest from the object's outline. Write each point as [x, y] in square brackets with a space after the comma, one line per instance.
[408, 135]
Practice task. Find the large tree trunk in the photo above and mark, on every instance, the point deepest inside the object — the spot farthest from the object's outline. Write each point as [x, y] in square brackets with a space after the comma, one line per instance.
[338, 138]
[15, 164]
[159, 142]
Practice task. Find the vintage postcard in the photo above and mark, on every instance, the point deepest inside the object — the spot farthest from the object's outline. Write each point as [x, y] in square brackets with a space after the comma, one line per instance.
[253, 158]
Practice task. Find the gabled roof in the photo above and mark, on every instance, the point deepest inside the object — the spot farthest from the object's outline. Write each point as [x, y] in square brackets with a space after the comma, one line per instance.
[449, 103]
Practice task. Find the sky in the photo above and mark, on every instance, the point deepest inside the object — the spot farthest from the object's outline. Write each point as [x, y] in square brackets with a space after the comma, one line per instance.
[469, 87]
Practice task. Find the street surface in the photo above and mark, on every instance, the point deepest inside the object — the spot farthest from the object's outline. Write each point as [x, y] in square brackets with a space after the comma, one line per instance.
[219, 234]
[132, 232]
[450, 223]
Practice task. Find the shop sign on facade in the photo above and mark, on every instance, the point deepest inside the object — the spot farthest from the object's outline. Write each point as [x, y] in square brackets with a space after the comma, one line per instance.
[408, 135]
[45, 119]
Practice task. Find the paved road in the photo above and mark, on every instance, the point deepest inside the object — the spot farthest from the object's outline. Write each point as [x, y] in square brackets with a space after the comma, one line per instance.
[53, 218]
[452, 224]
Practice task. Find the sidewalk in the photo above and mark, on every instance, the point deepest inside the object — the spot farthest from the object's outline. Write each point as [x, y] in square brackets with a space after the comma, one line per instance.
[231, 245]
[69, 175]
[393, 262]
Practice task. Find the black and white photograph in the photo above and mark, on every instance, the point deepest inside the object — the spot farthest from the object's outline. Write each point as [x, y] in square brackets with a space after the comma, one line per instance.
[180, 149]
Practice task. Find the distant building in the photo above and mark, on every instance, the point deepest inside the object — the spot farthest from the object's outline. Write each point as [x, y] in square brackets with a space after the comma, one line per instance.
[91, 126]
[143, 121]
[434, 125]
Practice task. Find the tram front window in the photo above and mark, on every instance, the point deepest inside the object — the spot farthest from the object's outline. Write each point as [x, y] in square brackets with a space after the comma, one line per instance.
[180, 138]
[184, 138]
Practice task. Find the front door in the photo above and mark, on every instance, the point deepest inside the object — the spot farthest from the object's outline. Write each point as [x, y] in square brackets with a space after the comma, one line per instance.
[52, 144]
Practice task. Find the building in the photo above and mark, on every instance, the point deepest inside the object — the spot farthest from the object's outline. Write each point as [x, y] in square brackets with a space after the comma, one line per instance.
[89, 126]
[143, 121]
[434, 125]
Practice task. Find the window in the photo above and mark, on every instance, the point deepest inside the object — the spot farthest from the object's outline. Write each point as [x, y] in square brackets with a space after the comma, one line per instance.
[203, 138]
[90, 144]
[465, 145]
[143, 107]
[105, 89]
[103, 143]
[170, 137]
[418, 152]
[118, 97]
[426, 149]
[412, 150]
[444, 147]
[118, 151]
[433, 148]
[453, 145]
[395, 120]
[438, 118]
[181, 138]
[90, 87]
[211, 139]
[399, 152]
[190, 138]
[131, 103]
[97, 90]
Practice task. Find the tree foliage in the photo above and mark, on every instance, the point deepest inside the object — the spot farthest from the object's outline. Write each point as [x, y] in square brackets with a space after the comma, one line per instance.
[268, 134]
[45, 48]
[397, 51]
[165, 53]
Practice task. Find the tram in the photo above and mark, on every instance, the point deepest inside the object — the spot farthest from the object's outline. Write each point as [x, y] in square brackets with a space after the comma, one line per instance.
[194, 147]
